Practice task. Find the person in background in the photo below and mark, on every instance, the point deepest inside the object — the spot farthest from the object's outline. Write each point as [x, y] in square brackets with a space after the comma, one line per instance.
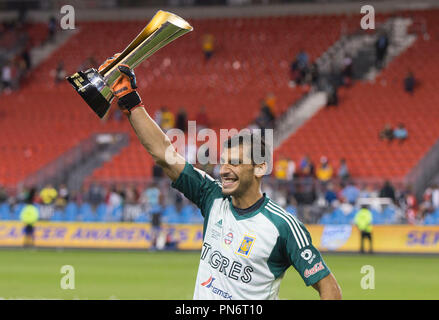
[48, 194]
[281, 170]
[350, 192]
[381, 49]
[324, 171]
[168, 119]
[51, 29]
[363, 220]
[208, 46]
[386, 133]
[29, 216]
[409, 83]
[347, 71]
[343, 171]
[59, 73]
[181, 122]
[270, 102]
[6, 78]
[388, 191]
[306, 167]
[330, 194]
[400, 133]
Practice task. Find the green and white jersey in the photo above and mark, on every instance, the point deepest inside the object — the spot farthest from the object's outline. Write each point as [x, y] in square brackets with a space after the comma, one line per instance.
[245, 256]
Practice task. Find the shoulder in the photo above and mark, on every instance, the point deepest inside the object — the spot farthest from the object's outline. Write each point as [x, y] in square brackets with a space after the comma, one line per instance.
[289, 227]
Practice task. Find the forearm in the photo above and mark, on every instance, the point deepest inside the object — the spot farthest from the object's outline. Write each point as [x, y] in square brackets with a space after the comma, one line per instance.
[156, 142]
[328, 288]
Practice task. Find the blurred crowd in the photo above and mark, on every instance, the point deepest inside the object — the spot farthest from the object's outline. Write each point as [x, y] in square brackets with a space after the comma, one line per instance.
[305, 191]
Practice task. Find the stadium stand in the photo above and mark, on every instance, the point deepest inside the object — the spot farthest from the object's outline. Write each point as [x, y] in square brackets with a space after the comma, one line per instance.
[251, 58]
[351, 129]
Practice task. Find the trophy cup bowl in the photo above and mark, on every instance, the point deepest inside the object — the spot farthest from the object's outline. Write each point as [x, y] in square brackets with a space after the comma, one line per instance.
[95, 86]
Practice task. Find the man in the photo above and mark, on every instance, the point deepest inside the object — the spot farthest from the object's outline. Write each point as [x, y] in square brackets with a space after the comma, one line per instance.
[29, 216]
[248, 240]
[363, 220]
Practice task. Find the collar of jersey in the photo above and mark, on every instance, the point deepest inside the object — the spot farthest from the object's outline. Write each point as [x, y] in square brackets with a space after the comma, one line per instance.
[248, 214]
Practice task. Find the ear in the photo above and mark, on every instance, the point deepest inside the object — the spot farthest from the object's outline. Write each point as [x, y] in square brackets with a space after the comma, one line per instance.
[260, 170]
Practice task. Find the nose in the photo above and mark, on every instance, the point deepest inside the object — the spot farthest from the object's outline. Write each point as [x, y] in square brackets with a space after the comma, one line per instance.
[224, 169]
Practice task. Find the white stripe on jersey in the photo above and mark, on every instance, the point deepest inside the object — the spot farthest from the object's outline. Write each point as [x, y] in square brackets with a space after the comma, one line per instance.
[293, 220]
[289, 223]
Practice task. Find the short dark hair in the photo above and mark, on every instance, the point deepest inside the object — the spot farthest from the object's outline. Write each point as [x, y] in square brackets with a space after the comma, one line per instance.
[256, 142]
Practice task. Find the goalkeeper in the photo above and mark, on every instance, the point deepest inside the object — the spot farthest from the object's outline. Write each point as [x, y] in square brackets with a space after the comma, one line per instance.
[249, 241]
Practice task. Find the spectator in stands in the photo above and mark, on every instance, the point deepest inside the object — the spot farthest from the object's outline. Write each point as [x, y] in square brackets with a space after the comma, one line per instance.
[435, 196]
[95, 195]
[60, 73]
[363, 220]
[25, 56]
[306, 167]
[48, 194]
[381, 46]
[208, 46]
[410, 205]
[315, 75]
[281, 168]
[114, 200]
[51, 29]
[202, 119]
[157, 172]
[158, 115]
[386, 133]
[299, 69]
[426, 206]
[324, 171]
[400, 133]
[181, 122]
[347, 71]
[63, 197]
[167, 119]
[270, 102]
[265, 119]
[388, 191]
[332, 93]
[7, 78]
[409, 83]
[330, 194]
[3, 194]
[150, 198]
[343, 170]
[350, 192]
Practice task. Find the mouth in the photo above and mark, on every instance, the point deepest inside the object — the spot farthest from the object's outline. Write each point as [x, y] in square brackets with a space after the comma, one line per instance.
[228, 182]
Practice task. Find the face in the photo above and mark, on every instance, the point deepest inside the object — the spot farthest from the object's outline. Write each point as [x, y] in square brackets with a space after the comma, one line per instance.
[237, 172]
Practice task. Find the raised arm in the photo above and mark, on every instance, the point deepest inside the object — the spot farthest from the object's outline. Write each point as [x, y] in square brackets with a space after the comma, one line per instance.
[155, 141]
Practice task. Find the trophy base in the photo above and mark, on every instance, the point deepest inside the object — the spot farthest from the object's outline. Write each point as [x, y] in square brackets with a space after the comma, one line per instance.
[92, 88]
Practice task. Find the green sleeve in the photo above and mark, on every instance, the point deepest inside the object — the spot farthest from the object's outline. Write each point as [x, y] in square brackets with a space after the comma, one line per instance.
[303, 256]
[198, 187]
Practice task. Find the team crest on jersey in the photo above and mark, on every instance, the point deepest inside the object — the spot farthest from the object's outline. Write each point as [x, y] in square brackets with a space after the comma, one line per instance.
[246, 246]
[228, 238]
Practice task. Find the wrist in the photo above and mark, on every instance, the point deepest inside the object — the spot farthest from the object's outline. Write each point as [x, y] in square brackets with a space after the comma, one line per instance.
[130, 101]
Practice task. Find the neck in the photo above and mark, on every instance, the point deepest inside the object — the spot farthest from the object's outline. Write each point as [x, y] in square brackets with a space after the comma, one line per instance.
[250, 197]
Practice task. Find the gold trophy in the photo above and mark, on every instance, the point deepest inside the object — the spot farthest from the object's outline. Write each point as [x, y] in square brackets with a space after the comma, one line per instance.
[95, 87]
